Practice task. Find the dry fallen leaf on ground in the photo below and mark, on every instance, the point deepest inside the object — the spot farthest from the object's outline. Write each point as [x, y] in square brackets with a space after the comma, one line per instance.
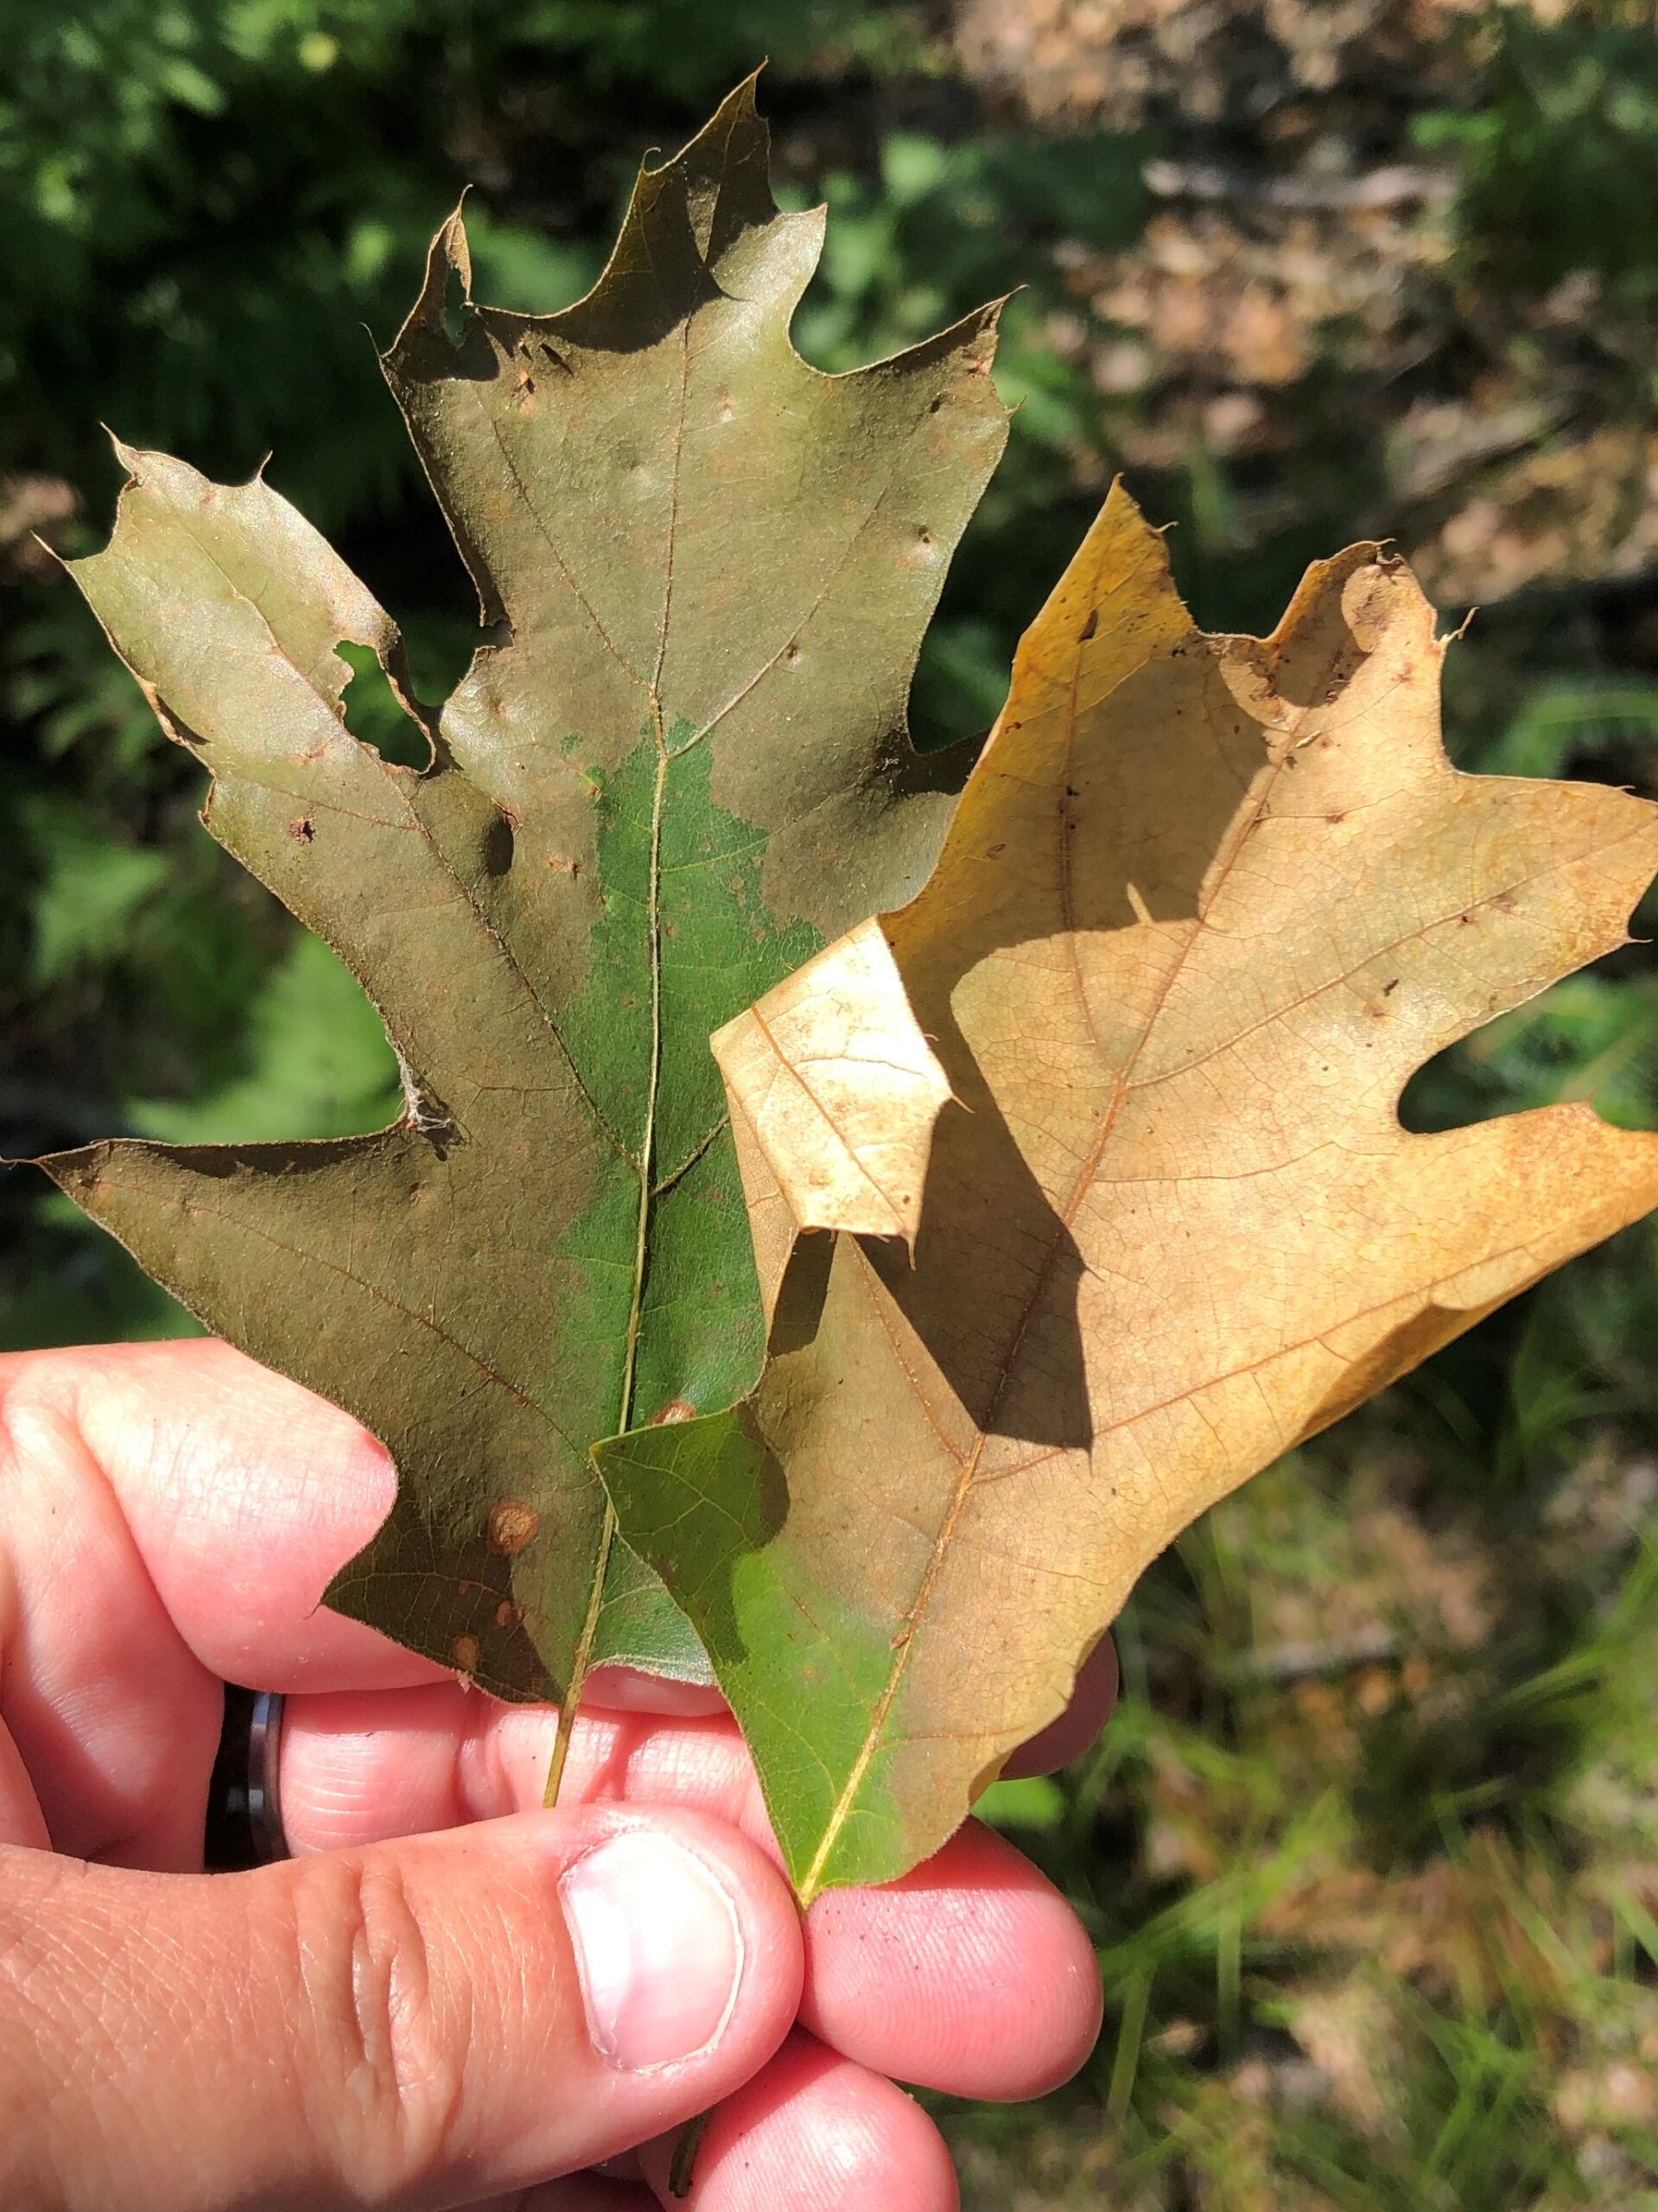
[1206, 903]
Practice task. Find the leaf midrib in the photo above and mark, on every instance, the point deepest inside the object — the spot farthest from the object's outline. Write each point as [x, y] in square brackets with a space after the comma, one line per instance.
[645, 1165]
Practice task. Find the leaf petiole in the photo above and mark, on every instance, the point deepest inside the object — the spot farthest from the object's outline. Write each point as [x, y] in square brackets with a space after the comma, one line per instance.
[572, 1698]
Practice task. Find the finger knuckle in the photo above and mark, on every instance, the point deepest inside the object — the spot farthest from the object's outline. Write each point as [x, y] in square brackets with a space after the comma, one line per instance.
[388, 2012]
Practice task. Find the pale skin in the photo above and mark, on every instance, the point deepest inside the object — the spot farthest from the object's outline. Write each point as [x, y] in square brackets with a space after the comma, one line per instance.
[401, 2016]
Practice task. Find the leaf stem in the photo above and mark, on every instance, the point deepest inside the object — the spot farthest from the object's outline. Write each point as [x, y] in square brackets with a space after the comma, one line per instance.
[683, 2171]
[572, 1697]
[583, 1655]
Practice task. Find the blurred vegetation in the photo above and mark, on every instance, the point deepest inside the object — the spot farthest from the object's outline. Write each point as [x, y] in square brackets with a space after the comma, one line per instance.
[1371, 1851]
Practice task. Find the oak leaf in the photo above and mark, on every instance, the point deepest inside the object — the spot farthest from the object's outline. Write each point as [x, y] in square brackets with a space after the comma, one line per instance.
[1206, 903]
[679, 768]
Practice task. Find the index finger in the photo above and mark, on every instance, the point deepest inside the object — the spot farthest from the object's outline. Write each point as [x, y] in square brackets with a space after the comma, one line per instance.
[243, 1494]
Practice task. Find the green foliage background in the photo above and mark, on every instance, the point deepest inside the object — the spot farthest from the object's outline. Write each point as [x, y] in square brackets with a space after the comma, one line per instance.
[1371, 1852]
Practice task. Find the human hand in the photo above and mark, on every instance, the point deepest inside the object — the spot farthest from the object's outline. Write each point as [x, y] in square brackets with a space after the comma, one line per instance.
[395, 2016]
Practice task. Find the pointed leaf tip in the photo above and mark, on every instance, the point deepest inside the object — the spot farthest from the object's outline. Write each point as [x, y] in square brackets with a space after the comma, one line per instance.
[448, 255]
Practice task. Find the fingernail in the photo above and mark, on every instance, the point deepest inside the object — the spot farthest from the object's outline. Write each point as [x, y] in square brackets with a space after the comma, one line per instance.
[658, 1947]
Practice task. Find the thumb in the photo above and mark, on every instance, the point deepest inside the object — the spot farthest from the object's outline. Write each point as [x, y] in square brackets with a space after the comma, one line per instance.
[429, 2023]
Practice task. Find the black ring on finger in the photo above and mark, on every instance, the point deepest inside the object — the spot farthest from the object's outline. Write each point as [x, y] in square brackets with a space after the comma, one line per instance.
[243, 1818]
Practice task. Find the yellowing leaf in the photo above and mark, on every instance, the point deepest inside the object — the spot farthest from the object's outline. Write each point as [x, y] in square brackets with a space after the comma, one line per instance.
[1206, 905]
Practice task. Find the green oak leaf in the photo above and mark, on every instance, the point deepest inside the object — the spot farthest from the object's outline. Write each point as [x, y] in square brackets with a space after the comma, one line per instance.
[677, 768]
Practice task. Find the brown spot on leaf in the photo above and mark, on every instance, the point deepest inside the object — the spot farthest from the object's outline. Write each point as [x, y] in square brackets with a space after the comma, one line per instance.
[302, 830]
[512, 1524]
[509, 1615]
[1090, 628]
[675, 1409]
[463, 1655]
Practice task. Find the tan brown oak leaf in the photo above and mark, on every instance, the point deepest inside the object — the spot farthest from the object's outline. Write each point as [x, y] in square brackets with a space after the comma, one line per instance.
[1206, 903]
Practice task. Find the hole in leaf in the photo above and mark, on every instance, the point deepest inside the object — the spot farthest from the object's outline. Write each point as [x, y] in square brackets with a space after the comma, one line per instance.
[457, 309]
[376, 715]
[498, 846]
